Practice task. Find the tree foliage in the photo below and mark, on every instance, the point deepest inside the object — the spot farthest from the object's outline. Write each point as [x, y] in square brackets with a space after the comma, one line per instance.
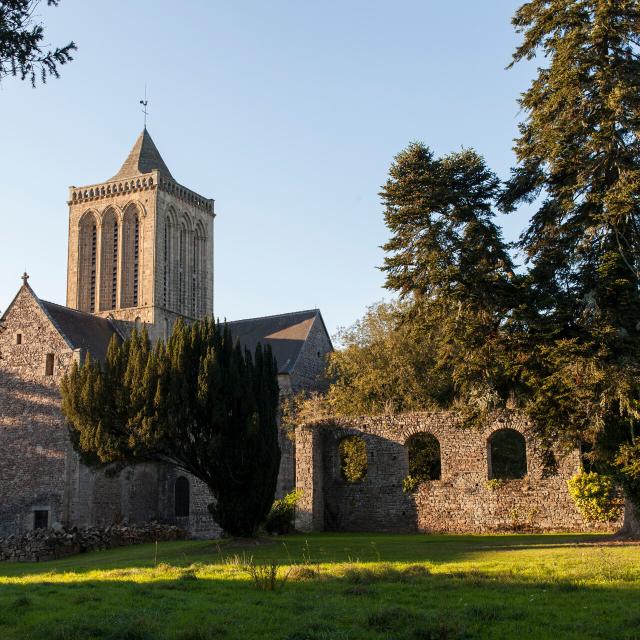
[579, 163]
[424, 457]
[448, 257]
[448, 262]
[21, 35]
[199, 403]
[595, 496]
[385, 365]
[353, 458]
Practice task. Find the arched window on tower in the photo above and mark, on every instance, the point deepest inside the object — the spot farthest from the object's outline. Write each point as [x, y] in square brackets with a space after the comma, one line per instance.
[199, 272]
[87, 262]
[136, 261]
[109, 260]
[194, 276]
[181, 497]
[129, 279]
[166, 267]
[182, 269]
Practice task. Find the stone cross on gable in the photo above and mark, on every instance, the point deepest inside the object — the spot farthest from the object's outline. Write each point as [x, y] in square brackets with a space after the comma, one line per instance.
[25, 277]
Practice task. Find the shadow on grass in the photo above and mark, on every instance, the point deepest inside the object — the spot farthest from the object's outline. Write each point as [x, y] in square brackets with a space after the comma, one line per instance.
[385, 601]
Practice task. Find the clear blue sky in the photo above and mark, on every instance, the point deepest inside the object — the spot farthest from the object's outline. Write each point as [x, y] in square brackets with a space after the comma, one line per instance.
[288, 113]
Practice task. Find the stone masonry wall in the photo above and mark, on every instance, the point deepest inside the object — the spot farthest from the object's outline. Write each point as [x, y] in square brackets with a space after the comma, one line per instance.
[462, 501]
[309, 375]
[158, 300]
[34, 447]
[199, 522]
[38, 468]
[310, 368]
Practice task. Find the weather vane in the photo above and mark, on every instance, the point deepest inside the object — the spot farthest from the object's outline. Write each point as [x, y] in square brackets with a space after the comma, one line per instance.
[144, 104]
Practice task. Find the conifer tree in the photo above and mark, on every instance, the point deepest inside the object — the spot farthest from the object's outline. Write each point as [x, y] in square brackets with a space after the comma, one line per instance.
[448, 256]
[197, 403]
[579, 161]
[21, 52]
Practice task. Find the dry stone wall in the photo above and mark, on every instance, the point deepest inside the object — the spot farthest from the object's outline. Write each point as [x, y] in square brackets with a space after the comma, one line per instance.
[59, 542]
[462, 501]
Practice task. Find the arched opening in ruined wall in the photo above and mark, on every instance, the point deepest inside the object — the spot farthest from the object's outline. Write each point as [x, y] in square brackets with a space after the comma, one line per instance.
[87, 261]
[353, 459]
[423, 450]
[181, 497]
[507, 453]
[109, 256]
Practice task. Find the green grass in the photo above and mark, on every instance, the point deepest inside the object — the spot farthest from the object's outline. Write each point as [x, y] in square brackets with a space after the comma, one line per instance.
[333, 586]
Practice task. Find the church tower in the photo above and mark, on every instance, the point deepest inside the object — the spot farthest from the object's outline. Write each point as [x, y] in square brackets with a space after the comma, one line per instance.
[141, 246]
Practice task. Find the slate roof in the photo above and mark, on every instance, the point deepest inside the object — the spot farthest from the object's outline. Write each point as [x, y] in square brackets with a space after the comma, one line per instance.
[144, 157]
[285, 333]
[82, 330]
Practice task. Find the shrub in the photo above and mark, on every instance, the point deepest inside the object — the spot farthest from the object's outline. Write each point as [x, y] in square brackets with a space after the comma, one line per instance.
[353, 458]
[266, 577]
[410, 484]
[281, 517]
[595, 496]
[494, 484]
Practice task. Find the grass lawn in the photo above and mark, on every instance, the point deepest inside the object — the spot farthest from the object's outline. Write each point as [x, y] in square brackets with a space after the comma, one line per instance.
[338, 586]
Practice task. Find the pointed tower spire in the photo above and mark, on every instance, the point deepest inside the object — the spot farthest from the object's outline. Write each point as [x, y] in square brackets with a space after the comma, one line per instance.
[144, 157]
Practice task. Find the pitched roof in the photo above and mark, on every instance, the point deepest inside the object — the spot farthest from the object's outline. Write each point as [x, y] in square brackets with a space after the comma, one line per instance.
[81, 330]
[144, 157]
[285, 333]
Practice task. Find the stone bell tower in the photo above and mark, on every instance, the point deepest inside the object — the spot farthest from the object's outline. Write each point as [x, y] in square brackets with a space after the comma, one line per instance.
[141, 246]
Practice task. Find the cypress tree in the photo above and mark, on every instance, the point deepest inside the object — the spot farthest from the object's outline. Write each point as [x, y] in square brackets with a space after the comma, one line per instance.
[198, 403]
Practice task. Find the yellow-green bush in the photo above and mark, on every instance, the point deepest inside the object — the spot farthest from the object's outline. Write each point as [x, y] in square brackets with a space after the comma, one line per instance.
[596, 496]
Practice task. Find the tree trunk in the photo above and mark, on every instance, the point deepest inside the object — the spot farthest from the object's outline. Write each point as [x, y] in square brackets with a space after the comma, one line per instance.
[631, 524]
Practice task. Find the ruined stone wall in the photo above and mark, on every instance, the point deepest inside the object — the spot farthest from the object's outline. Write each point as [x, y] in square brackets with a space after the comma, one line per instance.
[462, 501]
[34, 446]
[309, 375]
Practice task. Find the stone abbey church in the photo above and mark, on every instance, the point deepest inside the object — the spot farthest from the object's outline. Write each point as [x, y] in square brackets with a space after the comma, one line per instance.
[140, 253]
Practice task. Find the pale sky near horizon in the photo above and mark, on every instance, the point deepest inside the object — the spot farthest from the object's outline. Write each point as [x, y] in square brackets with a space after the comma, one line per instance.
[287, 113]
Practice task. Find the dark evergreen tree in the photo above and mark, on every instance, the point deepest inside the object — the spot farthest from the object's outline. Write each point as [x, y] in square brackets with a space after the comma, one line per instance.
[579, 162]
[447, 254]
[198, 403]
[21, 38]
